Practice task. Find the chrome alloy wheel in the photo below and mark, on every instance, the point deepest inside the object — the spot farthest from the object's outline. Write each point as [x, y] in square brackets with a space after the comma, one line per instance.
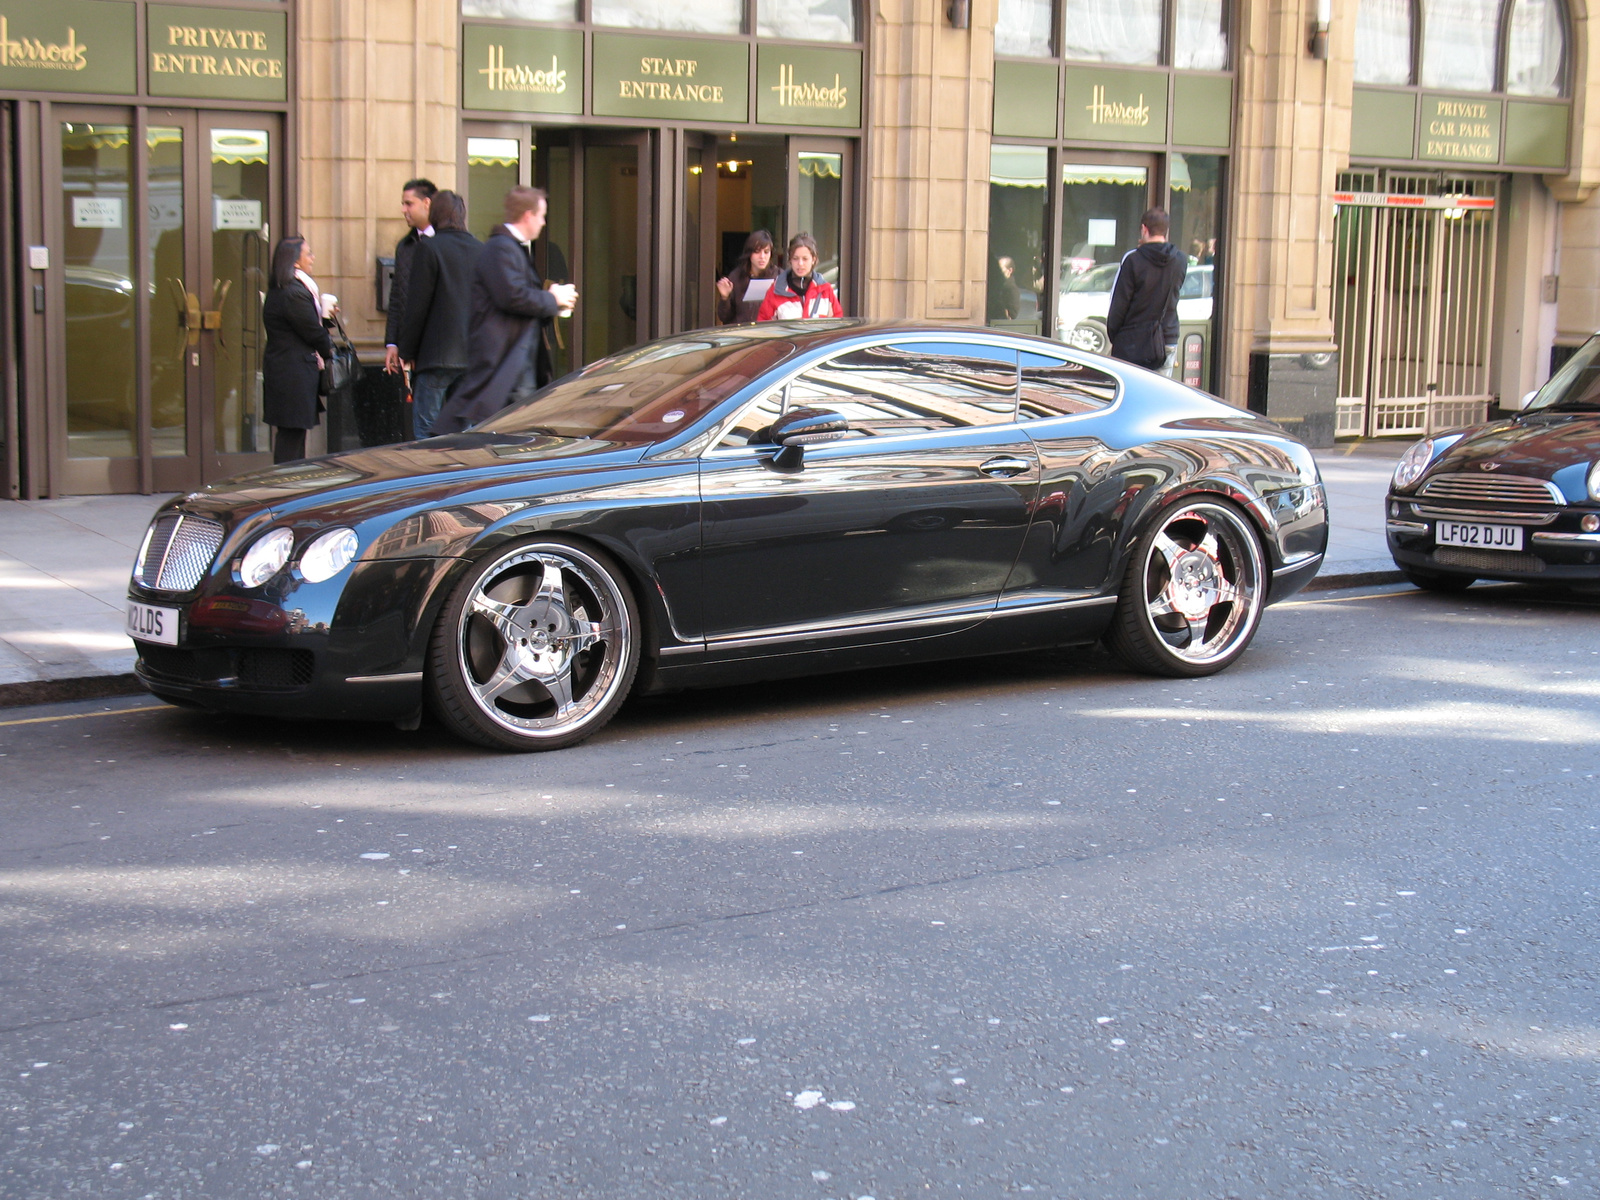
[543, 645]
[1194, 593]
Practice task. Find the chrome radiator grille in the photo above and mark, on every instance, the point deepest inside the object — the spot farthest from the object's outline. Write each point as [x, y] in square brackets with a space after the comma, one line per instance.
[1492, 489]
[177, 552]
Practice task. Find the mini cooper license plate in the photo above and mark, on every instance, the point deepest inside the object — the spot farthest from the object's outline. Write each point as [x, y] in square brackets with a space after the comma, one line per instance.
[147, 623]
[1479, 537]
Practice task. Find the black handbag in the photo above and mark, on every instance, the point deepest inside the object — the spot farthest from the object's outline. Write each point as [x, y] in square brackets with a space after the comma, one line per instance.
[340, 371]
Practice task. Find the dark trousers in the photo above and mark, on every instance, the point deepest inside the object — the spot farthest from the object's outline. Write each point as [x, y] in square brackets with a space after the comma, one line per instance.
[287, 444]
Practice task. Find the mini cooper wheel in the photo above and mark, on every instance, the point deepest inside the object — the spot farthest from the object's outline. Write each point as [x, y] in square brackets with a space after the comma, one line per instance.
[536, 648]
[1193, 593]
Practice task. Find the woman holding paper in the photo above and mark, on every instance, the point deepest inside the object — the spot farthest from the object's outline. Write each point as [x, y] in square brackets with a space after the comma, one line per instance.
[800, 291]
[741, 291]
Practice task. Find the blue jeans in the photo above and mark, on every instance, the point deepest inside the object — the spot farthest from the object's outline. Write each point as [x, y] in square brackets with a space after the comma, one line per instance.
[428, 390]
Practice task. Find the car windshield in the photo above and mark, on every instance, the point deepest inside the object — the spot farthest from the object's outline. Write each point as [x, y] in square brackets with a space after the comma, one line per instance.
[649, 392]
[1575, 387]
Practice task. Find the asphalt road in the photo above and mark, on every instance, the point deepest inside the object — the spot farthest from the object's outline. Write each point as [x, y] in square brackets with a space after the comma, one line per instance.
[1323, 925]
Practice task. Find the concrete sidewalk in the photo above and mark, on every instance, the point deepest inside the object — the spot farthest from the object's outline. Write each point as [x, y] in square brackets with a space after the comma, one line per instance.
[64, 572]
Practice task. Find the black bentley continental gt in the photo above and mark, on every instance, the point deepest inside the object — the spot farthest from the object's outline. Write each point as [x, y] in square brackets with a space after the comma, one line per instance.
[1516, 500]
[730, 505]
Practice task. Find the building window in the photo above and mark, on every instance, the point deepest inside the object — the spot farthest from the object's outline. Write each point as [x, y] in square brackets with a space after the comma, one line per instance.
[807, 20]
[1113, 31]
[1023, 28]
[1383, 41]
[1461, 45]
[1458, 44]
[1201, 39]
[1117, 31]
[1535, 48]
[1019, 193]
[522, 10]
[703, 16]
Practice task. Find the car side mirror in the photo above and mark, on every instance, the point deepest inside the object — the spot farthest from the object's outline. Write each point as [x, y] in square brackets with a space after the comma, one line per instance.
[802, 427]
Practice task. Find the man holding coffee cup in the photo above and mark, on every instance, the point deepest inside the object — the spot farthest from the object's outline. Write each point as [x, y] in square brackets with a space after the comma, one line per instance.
[511, 306]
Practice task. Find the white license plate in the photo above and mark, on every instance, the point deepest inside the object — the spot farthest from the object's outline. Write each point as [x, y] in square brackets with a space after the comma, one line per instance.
[147, 623]
[1479, 537]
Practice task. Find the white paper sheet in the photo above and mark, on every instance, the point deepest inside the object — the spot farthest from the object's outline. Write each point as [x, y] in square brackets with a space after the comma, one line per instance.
[757, 291]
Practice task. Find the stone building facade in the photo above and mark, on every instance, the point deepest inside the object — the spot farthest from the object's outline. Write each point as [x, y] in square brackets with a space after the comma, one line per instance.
[1388, 233]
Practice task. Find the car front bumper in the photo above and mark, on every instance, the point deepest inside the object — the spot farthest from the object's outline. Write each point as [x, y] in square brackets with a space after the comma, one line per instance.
[1555, 549]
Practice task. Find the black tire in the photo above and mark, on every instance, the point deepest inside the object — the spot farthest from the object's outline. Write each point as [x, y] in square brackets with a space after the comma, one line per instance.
[517, 661]
[1430, 581]
[1193, 591]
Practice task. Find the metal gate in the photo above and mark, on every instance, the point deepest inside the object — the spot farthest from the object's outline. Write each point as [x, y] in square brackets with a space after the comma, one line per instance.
[1413, 300]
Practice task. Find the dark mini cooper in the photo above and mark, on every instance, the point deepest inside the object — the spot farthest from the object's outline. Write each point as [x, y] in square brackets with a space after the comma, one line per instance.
[1514, 500]
[737, 504]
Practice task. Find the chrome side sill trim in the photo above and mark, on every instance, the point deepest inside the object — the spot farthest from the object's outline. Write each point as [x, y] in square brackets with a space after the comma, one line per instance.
[1406, 527]
[1296, 564]
[403, 677]
[812, 633]
[1021, 607]
[670, 651]
[1569, 539]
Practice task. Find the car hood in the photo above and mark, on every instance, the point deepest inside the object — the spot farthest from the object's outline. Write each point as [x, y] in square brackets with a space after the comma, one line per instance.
[403, 474]
[1537, 445]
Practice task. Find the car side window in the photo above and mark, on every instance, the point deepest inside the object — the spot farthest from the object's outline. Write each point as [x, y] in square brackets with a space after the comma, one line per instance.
[754, 420]
[897, 388]
[1057, 387]
[914, 387]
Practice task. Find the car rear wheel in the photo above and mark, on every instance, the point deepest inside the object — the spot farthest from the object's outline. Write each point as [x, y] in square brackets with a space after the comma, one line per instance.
[536, 648]
[1430, 582]
[1193, 593]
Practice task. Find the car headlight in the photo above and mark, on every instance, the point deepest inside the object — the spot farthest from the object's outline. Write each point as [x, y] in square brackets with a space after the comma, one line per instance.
[266, 557]
[1594, 482]
[328, 554]
[1412, 464]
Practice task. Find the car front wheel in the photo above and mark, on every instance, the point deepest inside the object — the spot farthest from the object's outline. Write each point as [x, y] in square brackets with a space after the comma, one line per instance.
[536, 648]
[1193, 593]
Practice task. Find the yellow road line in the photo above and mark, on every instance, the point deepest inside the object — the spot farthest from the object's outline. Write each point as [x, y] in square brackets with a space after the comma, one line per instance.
[112, 712]
[1346, 599]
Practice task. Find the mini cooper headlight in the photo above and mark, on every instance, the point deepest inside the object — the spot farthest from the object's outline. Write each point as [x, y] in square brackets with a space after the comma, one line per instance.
[266, 557]
[1594, 482]
[1412, 464]
[328, 554]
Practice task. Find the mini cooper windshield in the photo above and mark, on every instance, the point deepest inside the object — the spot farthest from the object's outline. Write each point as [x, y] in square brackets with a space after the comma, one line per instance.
[649, 392]
[1575, 387]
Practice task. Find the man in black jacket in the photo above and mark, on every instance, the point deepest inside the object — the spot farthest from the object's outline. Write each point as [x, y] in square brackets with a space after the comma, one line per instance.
[1143, 319]
[510, 308]
[433, 332]
[415, 200]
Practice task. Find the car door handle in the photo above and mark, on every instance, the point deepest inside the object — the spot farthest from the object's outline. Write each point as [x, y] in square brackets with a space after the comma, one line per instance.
[1004, 467]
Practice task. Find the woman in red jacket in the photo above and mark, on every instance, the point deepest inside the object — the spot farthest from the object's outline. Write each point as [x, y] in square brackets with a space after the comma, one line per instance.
[799, 292]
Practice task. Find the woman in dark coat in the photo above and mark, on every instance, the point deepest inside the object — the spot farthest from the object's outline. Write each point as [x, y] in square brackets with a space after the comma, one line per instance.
[756, 262]
[297, 347]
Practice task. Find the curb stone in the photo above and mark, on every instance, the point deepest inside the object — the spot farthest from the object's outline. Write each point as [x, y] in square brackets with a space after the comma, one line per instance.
[58, 691]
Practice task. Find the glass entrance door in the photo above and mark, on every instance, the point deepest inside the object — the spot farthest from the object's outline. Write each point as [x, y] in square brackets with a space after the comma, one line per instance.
[820, 194]
[164, 227]
[598, 235]
[1101, 204]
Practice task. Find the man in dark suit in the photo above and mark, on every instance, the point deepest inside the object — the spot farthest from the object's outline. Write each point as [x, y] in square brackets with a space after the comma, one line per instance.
[416, 198]
[510, 308]
[434, 340]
